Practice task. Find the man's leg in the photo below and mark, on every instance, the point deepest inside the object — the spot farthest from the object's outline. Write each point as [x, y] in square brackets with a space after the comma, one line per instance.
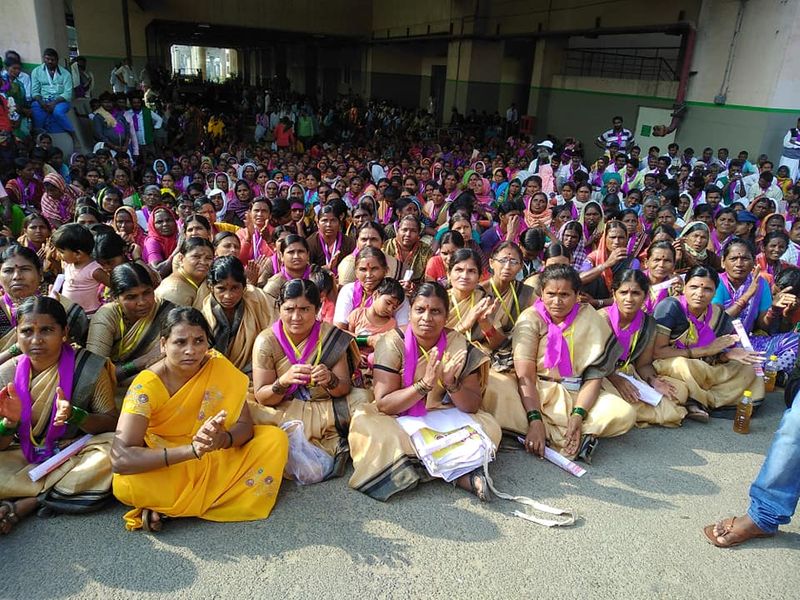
[39, 115]
[774, 493]
[61, 117]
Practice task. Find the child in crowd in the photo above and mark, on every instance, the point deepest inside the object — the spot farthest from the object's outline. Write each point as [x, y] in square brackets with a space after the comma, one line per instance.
[82, 274]
[324, 281]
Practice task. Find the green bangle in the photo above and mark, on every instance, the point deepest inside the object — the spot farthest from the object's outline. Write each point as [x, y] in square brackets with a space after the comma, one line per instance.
[14, 351]
[534, 415]
[4, 430]
[77, 417]
[579, 411]
[128, 369]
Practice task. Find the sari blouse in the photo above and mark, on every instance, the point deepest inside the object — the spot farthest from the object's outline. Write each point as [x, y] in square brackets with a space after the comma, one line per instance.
[390, 356]
[174, 419]
[177, 289]
[672, 321]
[93, 389]
[419, 260]
[107, 339]
[235, 339]
[594, 350]
[268, 354]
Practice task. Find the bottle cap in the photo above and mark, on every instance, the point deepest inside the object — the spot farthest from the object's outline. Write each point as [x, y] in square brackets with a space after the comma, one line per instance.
[748, 394]
[773, 357]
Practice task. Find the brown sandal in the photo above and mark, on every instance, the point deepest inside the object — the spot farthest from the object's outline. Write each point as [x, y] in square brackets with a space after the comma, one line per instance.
[728, 532]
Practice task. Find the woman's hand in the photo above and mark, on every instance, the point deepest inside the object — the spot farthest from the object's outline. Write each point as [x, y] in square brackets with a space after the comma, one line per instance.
[433, 370]
[785, 302]
[676, 289]
[721, 343]
[63, 409]
[678, 247]
[212, 435]
[747, 357]
[627, 390]
[299, 374]
[753, 287]
[453, 367]
[485, 308]
[10, 405]
[573, 435]
[321, 375]
[617, 255]
[536, 438]
[664, 387]
[251, 272]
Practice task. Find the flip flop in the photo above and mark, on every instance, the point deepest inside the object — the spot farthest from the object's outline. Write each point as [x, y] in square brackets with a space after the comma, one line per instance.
[482, 492]
[729, 534]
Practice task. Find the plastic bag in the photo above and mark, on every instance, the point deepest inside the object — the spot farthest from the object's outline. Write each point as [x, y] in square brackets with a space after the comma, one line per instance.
[307, 464]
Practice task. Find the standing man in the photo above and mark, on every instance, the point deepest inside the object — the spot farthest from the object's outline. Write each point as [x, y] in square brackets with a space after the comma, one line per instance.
[790, 156]
[144, 122]
[83, 85]
[123, 79]
[617, 134]
[51, 88]
[512, 118]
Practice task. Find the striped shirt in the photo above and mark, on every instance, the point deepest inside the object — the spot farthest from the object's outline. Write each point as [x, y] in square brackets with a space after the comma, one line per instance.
[623, 137]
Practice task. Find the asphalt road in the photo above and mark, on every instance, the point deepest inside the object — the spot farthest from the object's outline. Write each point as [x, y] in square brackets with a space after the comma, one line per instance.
[642, 506]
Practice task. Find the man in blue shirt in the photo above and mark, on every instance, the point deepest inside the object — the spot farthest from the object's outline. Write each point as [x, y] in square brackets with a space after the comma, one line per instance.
[51, 88]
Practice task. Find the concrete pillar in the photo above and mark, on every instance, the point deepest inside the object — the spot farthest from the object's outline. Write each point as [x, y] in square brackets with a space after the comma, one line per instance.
[36, 25]
[473, 76]
[548, 59]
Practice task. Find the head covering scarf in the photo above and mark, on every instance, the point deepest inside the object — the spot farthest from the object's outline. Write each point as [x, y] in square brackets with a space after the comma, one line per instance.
[762, 228]
[579, 254]
[168, 243]
[689, 228]
[157, 162]
[218, 192]
[582, 220]
[57, 211]
[138, 234]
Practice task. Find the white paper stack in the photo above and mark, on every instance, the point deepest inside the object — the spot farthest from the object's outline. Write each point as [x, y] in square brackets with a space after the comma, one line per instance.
[647, 393]
[450, 443]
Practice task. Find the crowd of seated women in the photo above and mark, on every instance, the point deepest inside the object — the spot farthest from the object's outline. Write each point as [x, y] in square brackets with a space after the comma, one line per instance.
[183, 324]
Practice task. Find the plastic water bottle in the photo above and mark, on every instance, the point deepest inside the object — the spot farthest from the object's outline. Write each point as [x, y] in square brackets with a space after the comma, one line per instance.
[771, 373]
[744, 410]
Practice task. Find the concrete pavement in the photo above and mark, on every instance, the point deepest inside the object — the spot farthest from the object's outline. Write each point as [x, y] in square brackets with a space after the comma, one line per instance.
[642, 505]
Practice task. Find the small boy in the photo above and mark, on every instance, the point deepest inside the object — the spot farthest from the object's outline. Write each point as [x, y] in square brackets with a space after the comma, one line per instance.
[82, 275]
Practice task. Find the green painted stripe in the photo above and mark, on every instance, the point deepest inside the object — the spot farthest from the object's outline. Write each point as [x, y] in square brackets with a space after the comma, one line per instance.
[672, 100]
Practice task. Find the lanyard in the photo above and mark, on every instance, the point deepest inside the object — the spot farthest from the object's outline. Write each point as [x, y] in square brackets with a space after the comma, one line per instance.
[298, 354]
[503, 302]
[468, 334]
[634, 340]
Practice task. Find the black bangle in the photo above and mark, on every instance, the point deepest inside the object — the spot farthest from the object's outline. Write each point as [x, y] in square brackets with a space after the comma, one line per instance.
[534, 415]
[581, 412]
[277, 388]
[166, 460]
[230, 439]
[196, 455]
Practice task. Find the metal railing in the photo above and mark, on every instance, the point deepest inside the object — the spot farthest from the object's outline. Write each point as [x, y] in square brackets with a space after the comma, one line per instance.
[654, 64]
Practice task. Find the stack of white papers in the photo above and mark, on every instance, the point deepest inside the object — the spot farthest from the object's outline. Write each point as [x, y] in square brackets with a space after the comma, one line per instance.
[450, 443]
[647, 393]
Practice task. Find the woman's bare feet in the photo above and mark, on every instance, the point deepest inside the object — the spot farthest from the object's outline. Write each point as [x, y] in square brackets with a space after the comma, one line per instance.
[12, 513]
[733, 531]
[152, 521]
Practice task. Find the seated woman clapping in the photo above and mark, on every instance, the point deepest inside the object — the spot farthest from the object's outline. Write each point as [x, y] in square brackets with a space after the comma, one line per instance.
[185, 444]
[49, 395]
[429, 368]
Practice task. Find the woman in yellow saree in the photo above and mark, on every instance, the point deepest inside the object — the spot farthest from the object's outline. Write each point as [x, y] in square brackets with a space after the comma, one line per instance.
[187, 286]
[694, 340]
[236, 312]
[49, 395]
[426, 368]
[509, 298]
[21, 278]
[127, 330]
[186, 445]
[302, 370]
[562, 352]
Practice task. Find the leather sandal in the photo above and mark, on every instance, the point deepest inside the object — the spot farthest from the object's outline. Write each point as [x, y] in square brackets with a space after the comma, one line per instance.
[10, 517]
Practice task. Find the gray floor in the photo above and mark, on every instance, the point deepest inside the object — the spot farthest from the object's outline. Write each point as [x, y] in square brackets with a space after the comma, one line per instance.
[642, 506]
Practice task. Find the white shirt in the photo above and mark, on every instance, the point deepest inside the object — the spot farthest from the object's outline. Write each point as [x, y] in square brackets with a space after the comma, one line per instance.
[345, 305]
